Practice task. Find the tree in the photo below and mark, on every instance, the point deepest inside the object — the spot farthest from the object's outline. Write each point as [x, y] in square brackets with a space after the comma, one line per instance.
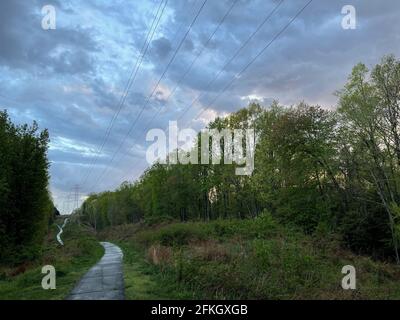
[26, 205]
[316, 169]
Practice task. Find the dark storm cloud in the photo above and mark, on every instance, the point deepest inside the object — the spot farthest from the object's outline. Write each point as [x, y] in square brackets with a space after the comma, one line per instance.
[161, 48]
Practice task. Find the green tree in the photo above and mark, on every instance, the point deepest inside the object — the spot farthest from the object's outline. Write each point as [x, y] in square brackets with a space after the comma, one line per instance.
[26, 206]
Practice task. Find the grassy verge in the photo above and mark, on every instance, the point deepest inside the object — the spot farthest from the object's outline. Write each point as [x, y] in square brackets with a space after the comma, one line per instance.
[80, 251]
[143, 281]
[247, 259]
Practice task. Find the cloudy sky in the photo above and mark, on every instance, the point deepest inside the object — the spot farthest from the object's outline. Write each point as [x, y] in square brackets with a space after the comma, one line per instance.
[71, 79]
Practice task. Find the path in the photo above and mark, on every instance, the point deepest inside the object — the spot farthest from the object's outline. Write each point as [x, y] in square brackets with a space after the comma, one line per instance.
[61, 231]
[105, 280]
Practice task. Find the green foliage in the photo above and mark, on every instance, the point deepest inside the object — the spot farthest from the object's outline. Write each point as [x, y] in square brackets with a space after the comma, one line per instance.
[80, 251]
[26, 207]
[143, 281]
[244, 259]
[313, 167]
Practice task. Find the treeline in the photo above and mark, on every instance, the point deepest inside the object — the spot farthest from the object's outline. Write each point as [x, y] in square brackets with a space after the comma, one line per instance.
[320, 170]
[25, 204]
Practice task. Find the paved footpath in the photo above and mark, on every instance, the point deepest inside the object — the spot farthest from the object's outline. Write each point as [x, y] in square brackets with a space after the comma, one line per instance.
[105, 280]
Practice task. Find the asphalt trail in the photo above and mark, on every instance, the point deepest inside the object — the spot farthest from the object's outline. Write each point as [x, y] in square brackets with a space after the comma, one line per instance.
[105, 280]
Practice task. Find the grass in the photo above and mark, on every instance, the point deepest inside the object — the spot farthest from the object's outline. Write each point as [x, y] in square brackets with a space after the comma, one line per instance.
[143, 281]
[81, 250]
[244, 259]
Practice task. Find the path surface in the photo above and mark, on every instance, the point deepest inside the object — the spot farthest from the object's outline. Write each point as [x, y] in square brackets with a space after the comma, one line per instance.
[61, 229]
[105, 280]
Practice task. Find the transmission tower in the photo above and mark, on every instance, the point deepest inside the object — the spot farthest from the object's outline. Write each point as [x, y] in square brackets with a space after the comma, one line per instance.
[76, 196]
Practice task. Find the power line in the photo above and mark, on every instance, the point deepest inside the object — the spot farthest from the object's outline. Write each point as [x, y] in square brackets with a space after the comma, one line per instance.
[257, 56]
[154, 90]
[244, 44]
[238, 75]
[128, 85]
[235, 55]
[130, 82]
[194, 61]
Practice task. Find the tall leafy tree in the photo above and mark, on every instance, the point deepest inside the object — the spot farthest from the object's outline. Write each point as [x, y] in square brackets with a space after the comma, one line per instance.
[26, 206]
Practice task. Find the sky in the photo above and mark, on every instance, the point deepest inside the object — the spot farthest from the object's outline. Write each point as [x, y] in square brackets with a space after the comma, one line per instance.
[183, 54]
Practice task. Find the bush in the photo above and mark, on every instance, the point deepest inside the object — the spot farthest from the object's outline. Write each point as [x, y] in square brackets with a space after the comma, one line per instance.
[180, 234]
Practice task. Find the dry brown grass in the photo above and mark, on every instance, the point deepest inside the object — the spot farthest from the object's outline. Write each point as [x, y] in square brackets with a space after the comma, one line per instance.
[119, 233]
[158, 254]
[210, 250]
